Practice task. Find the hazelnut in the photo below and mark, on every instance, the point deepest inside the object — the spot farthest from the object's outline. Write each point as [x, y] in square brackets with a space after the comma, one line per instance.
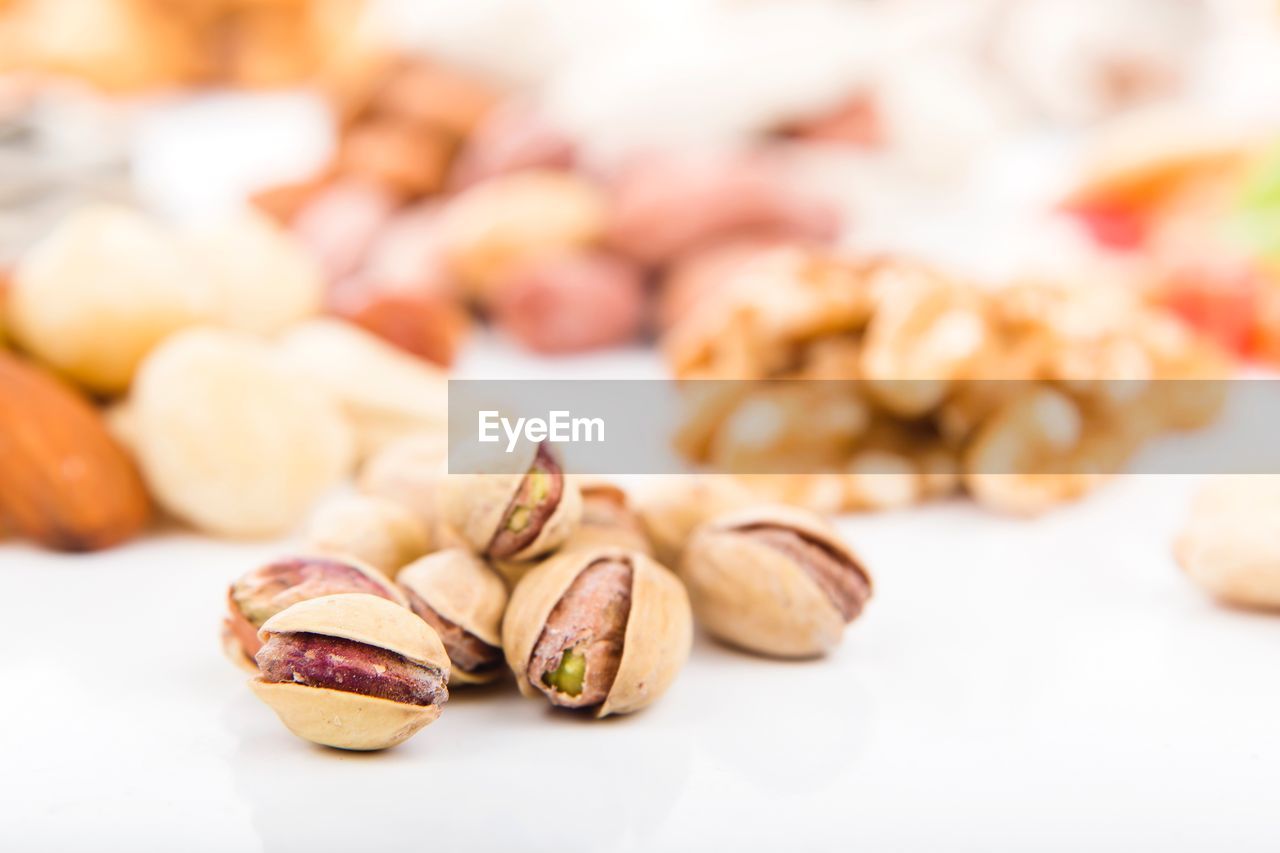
[231, 442]
[494, 227]
[378, 531]
[463, 600]
[94, 297]
[265, 591]
[1230, 545]
[774, 580]
[604, 630]
[514, 516]
[351, 671]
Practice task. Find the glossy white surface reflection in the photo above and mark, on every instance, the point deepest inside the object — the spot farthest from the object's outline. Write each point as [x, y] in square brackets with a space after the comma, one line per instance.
[1045, 685]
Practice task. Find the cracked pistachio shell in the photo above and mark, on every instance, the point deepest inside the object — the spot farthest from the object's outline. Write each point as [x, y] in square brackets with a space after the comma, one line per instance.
[756, 597]
[656, 642]
[608, 520]
[379, 531]
[351, 720]
[474, 505]
[461, 588]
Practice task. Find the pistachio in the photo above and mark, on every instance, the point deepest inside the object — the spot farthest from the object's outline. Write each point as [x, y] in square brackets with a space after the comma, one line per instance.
[774, 580]
[351, 671]
[262, 593]
[672, 510]
[607, 519]
[463, 600]
[514, 516]
[603, 630]
[378, 531]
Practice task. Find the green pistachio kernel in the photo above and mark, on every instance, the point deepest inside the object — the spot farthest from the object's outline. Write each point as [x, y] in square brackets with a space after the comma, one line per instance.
[567, 678]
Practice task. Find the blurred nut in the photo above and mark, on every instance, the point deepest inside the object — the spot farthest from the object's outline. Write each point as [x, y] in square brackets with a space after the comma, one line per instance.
[666, 205]
[263, 592]
[432, 96]
[511, 138]
[882, 480]
[410, 472]
[99, 292]
[463, 600]
[926, 332]
[572, 302]
[605, 630]
[352, 671]
[608, 519]
[514, 516]
[1230, 546]
[414, 316]
[671, 509]
[496, 226]
[407, 160]
[384, 392]
[774, 580]
[261, 279]
[1025, 458]
[228, 440]
[378, 531]
[64, 481]
[704, 275]
[340, 223]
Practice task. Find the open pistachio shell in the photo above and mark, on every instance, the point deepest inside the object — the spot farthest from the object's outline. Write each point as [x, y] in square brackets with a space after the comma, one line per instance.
[348, 720]
[658, 634]
[245, 617]
[476, 506]
[608, 520]
[459, 587]
[757, 597]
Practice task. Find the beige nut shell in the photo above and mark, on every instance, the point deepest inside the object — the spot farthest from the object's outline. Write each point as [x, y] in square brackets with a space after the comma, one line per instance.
[378, 531]
[658, 636]
[475, 504]
[1230, 545]
[461, 588]
[350, 720]
[752, 596]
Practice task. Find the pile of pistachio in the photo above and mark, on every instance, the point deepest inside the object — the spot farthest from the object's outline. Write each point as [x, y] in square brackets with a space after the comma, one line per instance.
[427, 581]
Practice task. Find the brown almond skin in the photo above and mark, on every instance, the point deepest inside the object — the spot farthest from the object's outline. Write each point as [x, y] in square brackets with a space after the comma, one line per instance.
[506, 543]
[336, 663]
[65, 482]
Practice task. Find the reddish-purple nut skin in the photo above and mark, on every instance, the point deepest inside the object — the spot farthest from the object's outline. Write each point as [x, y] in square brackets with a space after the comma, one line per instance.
[507, 542]
[336, 663]
[572, 302]
[844, 581]
[466, 651]
[511, 138]
[591, 619]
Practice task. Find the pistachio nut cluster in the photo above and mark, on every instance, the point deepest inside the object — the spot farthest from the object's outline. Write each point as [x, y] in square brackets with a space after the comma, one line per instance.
[1023, 396]
[549, 582]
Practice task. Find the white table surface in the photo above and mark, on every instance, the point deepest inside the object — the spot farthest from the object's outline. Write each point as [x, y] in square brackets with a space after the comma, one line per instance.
[1014, 685]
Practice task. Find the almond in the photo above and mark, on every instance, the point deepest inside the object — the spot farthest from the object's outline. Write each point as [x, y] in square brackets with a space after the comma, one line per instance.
[64, 481]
